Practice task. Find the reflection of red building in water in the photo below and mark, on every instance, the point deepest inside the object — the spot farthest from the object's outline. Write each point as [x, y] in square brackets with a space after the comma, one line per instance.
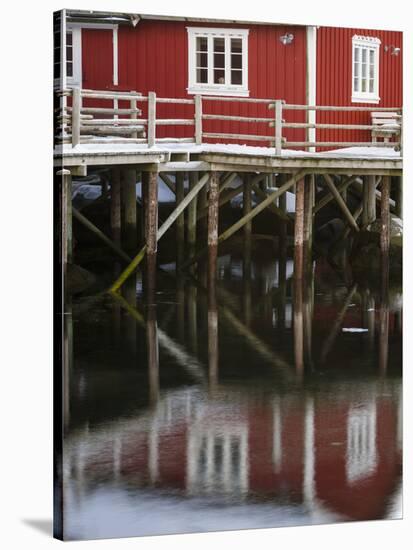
[336, 453]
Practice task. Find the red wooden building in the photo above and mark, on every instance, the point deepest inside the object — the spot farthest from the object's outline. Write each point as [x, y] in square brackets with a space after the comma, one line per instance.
[180, 57]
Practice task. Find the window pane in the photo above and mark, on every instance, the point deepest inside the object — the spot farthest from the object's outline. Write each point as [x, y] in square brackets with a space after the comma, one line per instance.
[219, 60]
[236, 45]
[371, 85]
[364, 70]
[236, 61]
[371, 56]
[201, 43]
[364, 85]
[56, 71]
[219, 45]
[219, 76]
[236, 78]
[356, 69]
[69, 68]
[69, 53]
[68, 38]
[371, 70]
[364, 55]
[202, 60]
[356, 84]
[356, 54]
[202, 76]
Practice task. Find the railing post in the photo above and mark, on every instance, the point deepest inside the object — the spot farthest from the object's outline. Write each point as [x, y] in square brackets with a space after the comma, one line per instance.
[134, 135]
[151, 118]
[76, 105]
[278, 126]
[198, 119]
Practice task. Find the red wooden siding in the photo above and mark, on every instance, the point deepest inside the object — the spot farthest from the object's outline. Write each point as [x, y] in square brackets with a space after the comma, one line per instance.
[153, 56]
[97, 59]
[334, 79]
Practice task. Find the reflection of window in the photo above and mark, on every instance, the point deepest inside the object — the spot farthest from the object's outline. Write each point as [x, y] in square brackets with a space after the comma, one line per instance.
[365, 85]
[361, 442]
[217, 462]
[218, 61]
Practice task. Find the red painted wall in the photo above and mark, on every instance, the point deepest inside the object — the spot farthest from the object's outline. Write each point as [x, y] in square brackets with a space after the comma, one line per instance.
[153, 56]
[334, 85]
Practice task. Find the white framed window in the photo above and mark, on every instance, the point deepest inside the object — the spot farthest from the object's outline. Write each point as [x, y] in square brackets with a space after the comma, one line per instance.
[365, 77]
[218, 61]
[73, 56]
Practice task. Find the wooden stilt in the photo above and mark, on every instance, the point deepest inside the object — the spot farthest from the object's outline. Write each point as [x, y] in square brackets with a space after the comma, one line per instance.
[385, 217]
[180, 222]
[144, 200]
[213, 206]
[299, 229]
[192, 213]
[369, 201]
[115, 206]
[247, 205]
[130, 218]
[66, 217]
[308, 220]
[151, 235]
[340, 202]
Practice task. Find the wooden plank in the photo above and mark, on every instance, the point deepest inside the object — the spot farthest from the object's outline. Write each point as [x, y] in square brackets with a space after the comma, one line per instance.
[299, 229]
[151, 235]
[198, 119]
[340, 201]
[278, 127]
[329, 196]
[151, 119]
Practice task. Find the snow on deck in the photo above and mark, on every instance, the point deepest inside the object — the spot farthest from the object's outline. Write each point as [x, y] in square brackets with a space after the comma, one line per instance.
[225, 148]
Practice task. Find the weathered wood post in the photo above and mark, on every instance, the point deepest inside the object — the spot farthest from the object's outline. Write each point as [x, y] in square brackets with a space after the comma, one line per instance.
[180, 222]
[198, 119]
[369, 201]
[115, 206]
[192, 215]
[213, 207]
[66, 217]
[385, 217]
[247, 206]
[278, 126]
[151, 119]
[299, 229]
[151, 234]
[399, 197]
[308, 220]
[76, 106]
[129, 208]
[202, 205]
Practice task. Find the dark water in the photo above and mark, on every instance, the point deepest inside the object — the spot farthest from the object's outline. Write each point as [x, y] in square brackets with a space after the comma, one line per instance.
[257, 407]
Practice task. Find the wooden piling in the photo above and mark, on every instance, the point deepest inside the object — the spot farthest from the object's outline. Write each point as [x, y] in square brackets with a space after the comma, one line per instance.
[129, 209]
[180, 222]
[213, 206]
[66, 216]
[308, 220]
[115, 206]
[399, 197]
[369, 201]
[299, 229]
[385, 217]
[192, 215]
[151, 235]
[247, 205]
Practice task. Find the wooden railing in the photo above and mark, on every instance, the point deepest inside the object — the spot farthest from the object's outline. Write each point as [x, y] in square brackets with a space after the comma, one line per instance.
[80, 123]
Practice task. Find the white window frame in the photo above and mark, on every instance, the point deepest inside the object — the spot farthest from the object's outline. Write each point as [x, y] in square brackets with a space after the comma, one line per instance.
[369, 43]
[210, 88]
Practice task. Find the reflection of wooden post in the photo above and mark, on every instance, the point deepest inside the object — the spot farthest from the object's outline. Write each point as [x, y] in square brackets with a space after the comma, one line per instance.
[308, 321]
[129, 293]
[192, 214]
[299, 229]
[66, 216]
[180, 222]
[151, 235]
[212, 337]
[192, 318]
[213, 206]
[180, 295]
[385, 216]
[67, 359]
[129, 197]
[153, 354]
[384, 327]
[298, 326]
[282, 262]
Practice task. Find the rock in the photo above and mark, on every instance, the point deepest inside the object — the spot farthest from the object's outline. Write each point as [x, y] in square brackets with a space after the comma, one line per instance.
[79, 279]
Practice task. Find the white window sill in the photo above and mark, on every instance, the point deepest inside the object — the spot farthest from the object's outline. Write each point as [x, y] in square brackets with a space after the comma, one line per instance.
[218, 91]
[361, 99]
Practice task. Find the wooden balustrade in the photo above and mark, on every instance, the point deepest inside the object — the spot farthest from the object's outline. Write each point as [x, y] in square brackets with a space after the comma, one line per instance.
[114, 124]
